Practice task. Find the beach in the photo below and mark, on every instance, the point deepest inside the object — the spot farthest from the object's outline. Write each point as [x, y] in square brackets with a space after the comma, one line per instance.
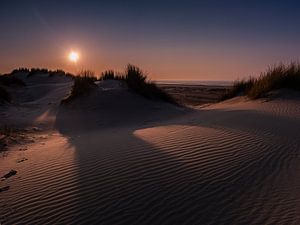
[122, 159]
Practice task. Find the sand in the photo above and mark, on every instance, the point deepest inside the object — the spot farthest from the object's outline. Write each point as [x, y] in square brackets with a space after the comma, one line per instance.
[235, 162]
[195, 94]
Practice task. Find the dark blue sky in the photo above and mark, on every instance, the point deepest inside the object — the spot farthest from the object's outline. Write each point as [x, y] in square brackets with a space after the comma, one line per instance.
[211, 40]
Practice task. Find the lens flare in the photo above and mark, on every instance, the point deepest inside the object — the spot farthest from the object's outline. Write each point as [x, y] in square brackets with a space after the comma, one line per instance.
[73, 56]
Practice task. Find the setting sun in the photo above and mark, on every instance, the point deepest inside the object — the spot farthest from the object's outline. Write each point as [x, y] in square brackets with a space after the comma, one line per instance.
[73, 56]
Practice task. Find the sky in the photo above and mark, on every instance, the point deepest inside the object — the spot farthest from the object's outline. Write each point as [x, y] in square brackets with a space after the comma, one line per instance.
[170, 40]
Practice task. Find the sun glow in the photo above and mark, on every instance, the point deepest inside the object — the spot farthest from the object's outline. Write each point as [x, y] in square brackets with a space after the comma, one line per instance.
[73, 56]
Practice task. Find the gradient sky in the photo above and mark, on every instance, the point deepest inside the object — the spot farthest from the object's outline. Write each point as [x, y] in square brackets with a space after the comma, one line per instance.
[187, 39]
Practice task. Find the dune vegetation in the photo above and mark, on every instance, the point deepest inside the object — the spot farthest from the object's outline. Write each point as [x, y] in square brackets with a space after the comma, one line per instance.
[133, 76]
[84, 82]
[137, 81]
[35, 71]
[276, 77]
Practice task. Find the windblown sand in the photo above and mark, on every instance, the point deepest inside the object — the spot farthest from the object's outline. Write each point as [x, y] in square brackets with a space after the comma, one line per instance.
[235, 162]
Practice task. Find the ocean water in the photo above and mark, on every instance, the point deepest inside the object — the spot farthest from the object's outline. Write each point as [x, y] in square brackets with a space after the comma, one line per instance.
[196, 82]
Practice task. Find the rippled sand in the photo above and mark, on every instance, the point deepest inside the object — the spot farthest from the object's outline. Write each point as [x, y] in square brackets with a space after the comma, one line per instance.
[235, 162]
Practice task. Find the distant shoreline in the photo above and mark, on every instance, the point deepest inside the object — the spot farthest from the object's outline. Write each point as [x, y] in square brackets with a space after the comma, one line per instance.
[194, 93]
[195, 82]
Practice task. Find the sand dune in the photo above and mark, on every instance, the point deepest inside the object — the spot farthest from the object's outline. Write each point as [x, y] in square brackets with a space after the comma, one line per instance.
[235, 162]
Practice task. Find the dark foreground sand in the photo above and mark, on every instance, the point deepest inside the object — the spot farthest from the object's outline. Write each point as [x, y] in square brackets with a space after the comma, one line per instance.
[235, 162]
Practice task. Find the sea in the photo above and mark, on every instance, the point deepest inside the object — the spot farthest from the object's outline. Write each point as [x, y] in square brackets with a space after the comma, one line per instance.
[195, 82]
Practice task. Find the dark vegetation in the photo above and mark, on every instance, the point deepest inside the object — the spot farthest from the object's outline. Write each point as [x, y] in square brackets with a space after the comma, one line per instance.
[137, 82]
[240, 87]
[20, 70]
[108, 75]
[58, 73]
[276, 77]
[84, 82]
[34, 71]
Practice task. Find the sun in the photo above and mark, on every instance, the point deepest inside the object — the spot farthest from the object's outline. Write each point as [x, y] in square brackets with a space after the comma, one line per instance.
[73, 56]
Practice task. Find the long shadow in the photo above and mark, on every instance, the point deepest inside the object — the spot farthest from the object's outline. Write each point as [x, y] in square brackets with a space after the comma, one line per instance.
[125, 180]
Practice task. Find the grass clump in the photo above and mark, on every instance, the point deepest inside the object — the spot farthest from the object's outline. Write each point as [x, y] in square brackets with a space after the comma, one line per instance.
[84, 83]
[60, 73]
[57, 73]
[20, 70]
[111, 75]
[276, 77]
[34, 71]
[108, 75]
[239, 87]
[137, 81]
[133, 76]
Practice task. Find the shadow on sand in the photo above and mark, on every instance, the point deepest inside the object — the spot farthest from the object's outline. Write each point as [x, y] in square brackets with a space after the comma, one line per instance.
[123, 179]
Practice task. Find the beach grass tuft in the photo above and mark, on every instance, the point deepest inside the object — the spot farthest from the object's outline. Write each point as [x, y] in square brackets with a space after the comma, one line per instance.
[276, 77]
[84, 83]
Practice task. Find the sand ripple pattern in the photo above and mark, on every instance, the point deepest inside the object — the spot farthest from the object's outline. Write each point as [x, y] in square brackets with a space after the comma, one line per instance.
[222, 165]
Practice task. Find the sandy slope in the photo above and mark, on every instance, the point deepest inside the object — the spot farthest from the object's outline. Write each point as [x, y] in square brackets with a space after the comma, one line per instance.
[235, 162]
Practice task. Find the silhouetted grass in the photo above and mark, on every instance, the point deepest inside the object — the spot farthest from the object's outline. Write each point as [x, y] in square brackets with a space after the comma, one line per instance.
[20, 70]
[4, 95]
[56, 73]
[108, 75]
[34, 71]
[60, 73]
[84, 82]
[137, 81]
[240, 87]
[276, 77]
[111, 75]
